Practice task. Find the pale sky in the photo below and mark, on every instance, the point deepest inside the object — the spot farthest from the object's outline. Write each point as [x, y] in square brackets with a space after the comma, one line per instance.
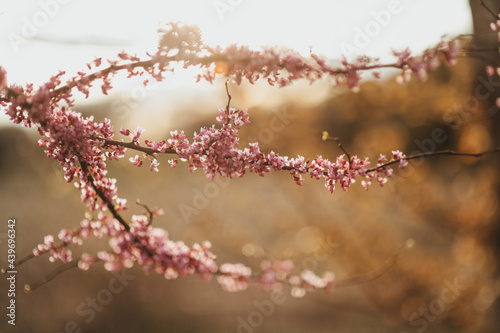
[40, 37]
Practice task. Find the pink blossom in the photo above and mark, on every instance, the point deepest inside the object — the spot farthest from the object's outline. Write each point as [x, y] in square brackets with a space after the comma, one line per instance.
[125, 132]
[137, 133]
[490, 70]
[154, 165]
[85, 262]
[136, 160]
[397, 155]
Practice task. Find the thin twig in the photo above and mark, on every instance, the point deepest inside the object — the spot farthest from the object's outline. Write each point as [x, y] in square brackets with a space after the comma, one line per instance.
[228, 97]
[372, 275]
[486, 60]
[19, 262]
[336, 139]
[436, 153]
[30, 287]
[150, 213]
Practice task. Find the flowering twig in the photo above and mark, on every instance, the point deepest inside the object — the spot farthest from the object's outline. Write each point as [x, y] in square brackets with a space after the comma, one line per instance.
[274, 274]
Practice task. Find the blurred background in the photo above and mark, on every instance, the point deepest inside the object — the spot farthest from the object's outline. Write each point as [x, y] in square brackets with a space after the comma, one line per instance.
[448, 282]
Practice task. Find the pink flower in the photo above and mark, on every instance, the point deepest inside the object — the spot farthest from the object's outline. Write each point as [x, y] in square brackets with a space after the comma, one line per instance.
[136, 160]
[85, 262]
[490, 70]
[137, 133]
[397, 155]
[154, 165]
[48, 240]
[65, 236]
[235, 277]
[125, 132]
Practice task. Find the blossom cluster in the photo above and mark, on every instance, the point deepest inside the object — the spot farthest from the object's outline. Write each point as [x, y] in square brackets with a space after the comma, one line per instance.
[273, 277]
[427, 61]
[277, 273]
[152, 249]
[216, 151]
[67, 137]
[284, 67]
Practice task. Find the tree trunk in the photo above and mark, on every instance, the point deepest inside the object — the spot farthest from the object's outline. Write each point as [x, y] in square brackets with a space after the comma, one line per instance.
[487, 43]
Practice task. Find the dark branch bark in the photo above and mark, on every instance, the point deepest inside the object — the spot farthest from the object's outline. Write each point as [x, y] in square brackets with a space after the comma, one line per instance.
[101, 195]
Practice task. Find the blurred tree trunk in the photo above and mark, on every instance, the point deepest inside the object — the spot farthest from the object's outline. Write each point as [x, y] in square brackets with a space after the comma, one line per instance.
[487, 41]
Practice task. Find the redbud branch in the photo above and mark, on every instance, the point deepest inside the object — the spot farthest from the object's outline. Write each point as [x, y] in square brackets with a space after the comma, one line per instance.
[101, 73]
[359, 279]
[150, 151]
[191, 60]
